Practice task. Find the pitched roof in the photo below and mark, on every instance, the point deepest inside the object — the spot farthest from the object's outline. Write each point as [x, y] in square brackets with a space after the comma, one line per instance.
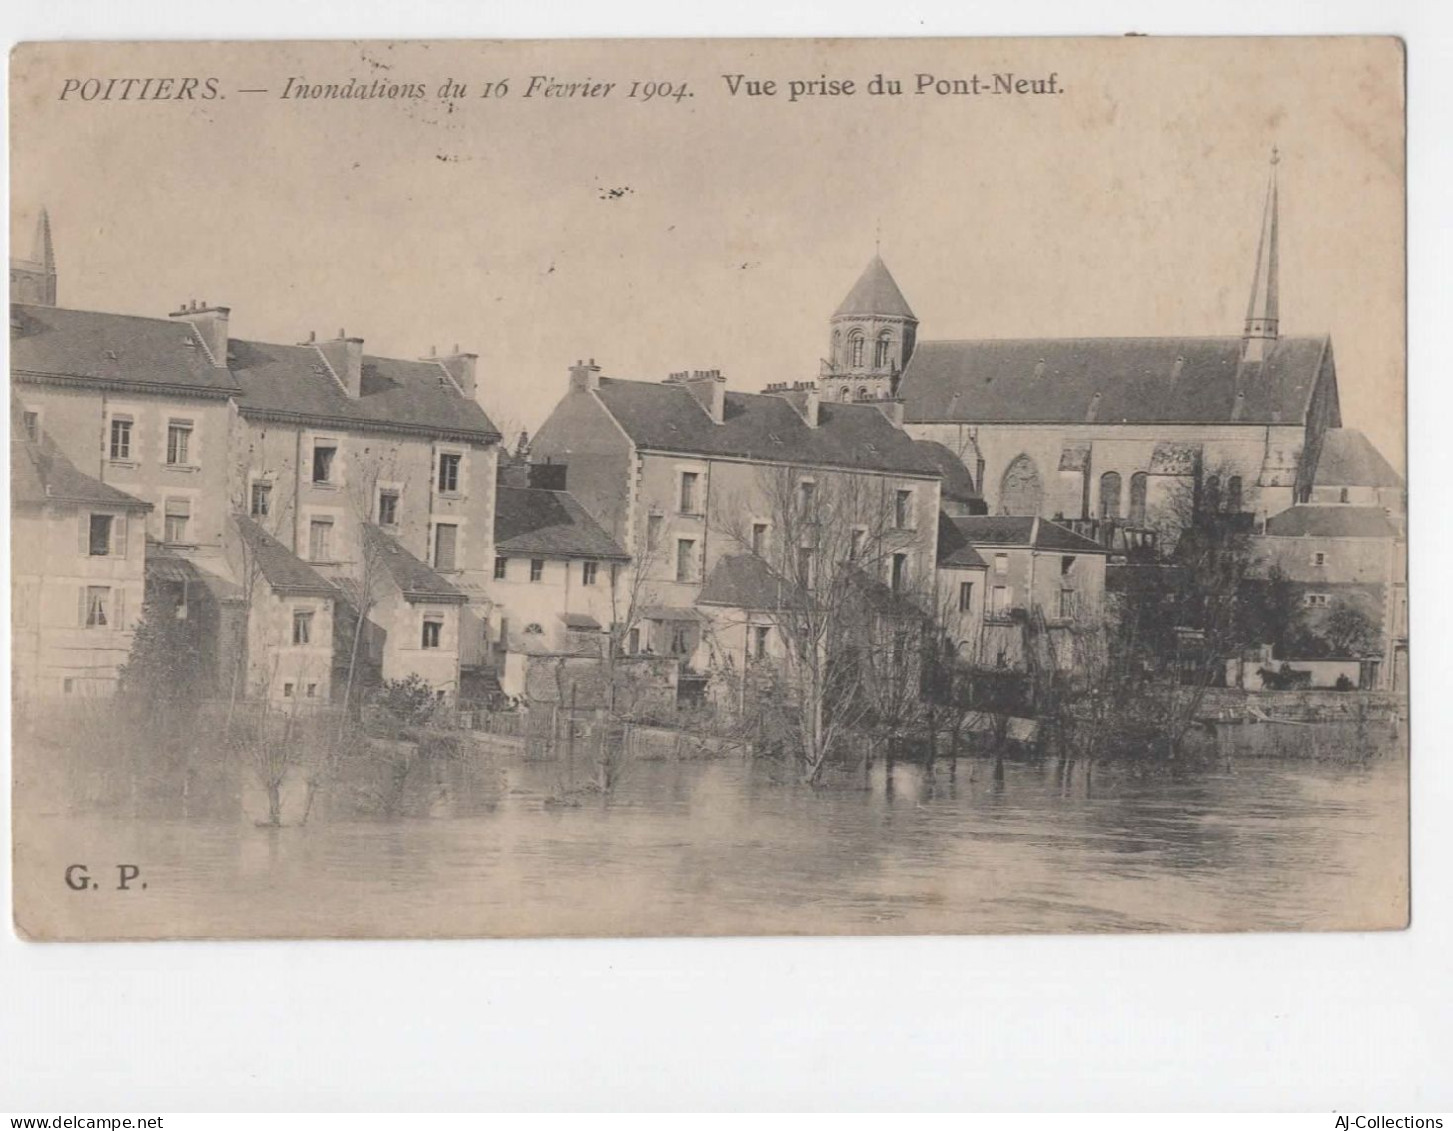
[958, 483]
[531, 520]
[745, 581]
[1331, 521]
[88, 345]
[283, 570]
[416, 580]
[1348, 459]
[295, 381]
[875, 292]
[955, 551]
[282, 380]
[1111, 380]
[1019, 530]
[40, 474]
[664, 417]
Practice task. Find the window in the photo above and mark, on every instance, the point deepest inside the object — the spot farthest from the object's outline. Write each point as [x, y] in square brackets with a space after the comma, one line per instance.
[899, 576]
[587, 572]
[1316, 600]
[1066, 604]
[97, 608]
[1344, 496]
[807, 567]
[31, 421]
[881, 350]
[837, 348]
[999, 601]
[120, 437]
[1319, 558]
[323, 457]
[68, 686]
[688, 492]
[685, 559]
[902, 509]
[1139, 483]
[633, 641]
[1067, 565]
[1001, 564]
[287, 691]
[857, 538]
[501, 565]
[1233, 494]
[320, 540]
[446, 541]
[653, 531]
[855, 349]
[537, 569]
[759, 539]
[388, 507]
[760, 635]
[433, 632]
[966, 596]
[302, 627]
[844, 393]
[312, 691]
[680, 640]
[99, 536]
[449, 472]
[806, 496]
[1110, 495]
[176, 520]
[178, 443]
[261, 505]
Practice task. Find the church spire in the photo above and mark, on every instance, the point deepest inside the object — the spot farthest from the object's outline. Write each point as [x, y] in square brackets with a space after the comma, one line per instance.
[33, 280]
[44, 251]
[1262, 315]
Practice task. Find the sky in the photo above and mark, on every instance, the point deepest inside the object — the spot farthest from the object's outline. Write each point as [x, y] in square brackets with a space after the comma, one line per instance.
[719, 230]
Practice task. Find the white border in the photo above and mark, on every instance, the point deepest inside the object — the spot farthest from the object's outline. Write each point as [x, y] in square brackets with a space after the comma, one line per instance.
[1269, 1022]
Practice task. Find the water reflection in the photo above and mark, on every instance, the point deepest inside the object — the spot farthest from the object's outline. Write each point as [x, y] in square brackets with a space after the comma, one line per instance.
[728, 847]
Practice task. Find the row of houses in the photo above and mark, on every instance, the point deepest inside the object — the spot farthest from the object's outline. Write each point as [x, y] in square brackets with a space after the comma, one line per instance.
[323, 518]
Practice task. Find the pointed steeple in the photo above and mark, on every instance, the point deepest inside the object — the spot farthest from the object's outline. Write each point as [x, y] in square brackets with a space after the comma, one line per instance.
[1262, 314]
[875, 293]
[33, 280]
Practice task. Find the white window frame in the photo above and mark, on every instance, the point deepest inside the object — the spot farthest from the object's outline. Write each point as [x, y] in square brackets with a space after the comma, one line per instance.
[311, 613]
[908, 497]
[589, 571]
[189, 425]
[253, 483]
[335, 478]
[397, 491]
[461, 479]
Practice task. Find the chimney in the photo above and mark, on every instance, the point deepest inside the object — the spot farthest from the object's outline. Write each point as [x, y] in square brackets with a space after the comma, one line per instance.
[708, 386]
[345, 356]
[892, 410]
[584, 376]
[211, 326]
[802, 396]
[460, 366]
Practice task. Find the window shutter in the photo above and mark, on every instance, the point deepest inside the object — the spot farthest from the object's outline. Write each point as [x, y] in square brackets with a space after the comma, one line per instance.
[83, 532]
[81, 608]
[118, 609]
[118, 535]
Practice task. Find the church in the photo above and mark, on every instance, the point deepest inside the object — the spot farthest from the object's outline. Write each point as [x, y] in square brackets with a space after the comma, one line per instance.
[1103, 430]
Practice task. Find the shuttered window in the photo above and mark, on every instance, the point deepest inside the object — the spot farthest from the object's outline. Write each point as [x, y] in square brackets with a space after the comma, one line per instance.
[446, 539]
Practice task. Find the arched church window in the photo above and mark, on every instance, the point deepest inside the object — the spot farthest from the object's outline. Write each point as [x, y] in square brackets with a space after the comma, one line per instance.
[862, 392]
[837, 347]
[843, 393]
[1110, 495]
[1233, 494]
[855, 349]
[1139, 483]
[1021, 491]
[882, 350]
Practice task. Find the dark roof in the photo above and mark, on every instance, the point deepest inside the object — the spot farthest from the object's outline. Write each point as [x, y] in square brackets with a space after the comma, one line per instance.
[88, 345]
[39, 474]
[663, 417]
[417, 581]
[531, 520]
[284, 571]
[958, 483]
[294, 381]
[875, 292]
[163, 564]
[745, 581]
[1348, 459]
[1332, 521]
[1019, 530]
[955, 551]
[1110, 380]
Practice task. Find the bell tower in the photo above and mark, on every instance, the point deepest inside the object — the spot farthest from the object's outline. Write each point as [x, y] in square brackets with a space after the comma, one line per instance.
[33, 280]
[870, 339]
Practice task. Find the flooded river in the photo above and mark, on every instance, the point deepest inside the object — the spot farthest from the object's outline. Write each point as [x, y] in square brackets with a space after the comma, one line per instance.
[720, 847]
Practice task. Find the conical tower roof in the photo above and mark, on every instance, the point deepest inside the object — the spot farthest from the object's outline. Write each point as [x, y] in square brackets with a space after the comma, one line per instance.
[1263, 311]
[875, 292]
